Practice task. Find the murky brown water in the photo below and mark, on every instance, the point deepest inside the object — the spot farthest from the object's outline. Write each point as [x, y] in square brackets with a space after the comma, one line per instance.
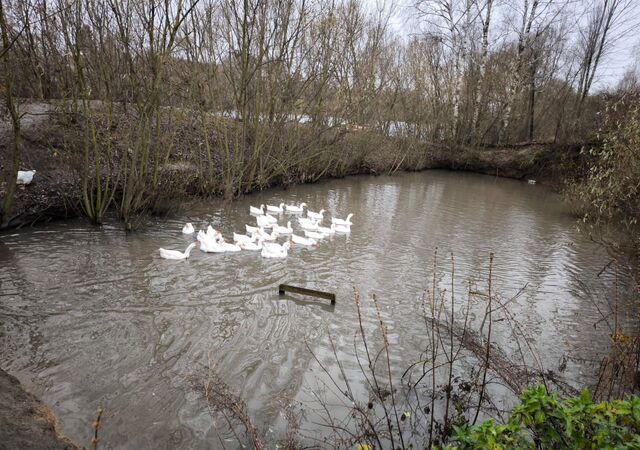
[93, 317]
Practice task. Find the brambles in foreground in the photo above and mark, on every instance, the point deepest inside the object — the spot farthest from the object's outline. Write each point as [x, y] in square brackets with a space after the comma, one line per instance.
[463, 376]
[542, 420]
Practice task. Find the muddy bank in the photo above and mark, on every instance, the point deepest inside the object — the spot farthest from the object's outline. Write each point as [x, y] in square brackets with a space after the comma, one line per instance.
[53, 148]
[25, 422]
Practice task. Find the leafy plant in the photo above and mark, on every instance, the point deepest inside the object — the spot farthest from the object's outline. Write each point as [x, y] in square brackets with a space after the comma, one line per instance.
[544, 421]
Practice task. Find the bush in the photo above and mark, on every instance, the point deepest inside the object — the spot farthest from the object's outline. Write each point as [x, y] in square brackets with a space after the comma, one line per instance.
[612, 188]
[542, 420]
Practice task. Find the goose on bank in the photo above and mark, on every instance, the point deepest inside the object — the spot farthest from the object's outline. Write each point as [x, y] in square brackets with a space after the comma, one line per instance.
[25, 176]
[176, 254]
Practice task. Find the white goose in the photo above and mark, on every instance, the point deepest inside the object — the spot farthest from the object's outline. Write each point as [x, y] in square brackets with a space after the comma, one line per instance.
[346, 221]
[303, 240]
[314, 235]
[256, 211]
[283, 230]
[251, 245]
[315, 215]
[243, 238]
[275, 250]
[213, 233]
[230, 247]
[308, 224]
[209, 244]
[188, 229]
[175, 254]
[343, 229]
[264, 222]
[25, 176]
[326, 230]
[296, 209]
[251, 229]
[276, 209]
[269, 237]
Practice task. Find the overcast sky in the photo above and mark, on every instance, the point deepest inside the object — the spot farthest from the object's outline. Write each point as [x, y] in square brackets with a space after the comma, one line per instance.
[624, 53]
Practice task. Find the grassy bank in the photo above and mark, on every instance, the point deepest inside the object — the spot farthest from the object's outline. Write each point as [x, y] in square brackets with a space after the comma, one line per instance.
[86, 164]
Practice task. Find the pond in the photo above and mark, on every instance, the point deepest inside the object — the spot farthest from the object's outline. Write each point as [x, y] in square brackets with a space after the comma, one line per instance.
[92, 316]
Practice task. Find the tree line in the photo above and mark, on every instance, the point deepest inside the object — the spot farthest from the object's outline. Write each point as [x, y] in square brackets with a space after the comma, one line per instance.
[262, 82]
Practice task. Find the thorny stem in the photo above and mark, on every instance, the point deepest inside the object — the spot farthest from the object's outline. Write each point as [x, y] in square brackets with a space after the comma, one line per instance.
[433, 347]
[451, 356]
[96, 427]
[385, 338]
[488, 352]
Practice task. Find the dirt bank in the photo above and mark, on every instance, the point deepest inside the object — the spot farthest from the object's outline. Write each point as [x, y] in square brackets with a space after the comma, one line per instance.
[51, 148]
[25, 422]
[47, 198]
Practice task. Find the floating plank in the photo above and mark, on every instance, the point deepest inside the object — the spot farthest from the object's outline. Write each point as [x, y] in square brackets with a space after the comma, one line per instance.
[304, 291]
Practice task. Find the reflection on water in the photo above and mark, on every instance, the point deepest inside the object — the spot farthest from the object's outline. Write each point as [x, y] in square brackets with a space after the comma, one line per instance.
[94, 317]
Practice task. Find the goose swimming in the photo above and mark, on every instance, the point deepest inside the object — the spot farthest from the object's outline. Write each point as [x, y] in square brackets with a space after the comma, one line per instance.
[188, 229]
[346, 221]
[175, 254]
[276, 209]
[276, 250]
[303, 240]
[314, 235]
[315, 215]
[326, 230]
[283, 230]
[296, 209]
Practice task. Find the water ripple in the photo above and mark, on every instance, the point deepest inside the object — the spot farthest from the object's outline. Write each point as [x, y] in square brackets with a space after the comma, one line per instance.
[93, 316]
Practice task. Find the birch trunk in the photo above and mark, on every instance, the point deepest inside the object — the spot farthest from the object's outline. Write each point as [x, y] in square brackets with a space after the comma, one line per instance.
[481, 70]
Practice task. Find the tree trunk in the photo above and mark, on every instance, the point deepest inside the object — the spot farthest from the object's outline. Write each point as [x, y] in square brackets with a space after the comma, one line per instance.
[475, 121]
[12, 175]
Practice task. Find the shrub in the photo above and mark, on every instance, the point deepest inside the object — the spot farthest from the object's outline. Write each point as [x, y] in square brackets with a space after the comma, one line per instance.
[612, 188]
[542, 420]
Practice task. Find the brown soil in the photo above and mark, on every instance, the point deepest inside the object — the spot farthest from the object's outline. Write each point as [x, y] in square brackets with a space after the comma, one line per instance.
[48, 146]
[46, 198]
[25, 422]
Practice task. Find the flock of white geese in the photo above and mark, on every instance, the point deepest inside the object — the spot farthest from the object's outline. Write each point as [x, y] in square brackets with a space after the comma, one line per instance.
[259, 238]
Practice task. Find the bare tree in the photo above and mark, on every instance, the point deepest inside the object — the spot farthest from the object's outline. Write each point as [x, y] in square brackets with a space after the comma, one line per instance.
[7, 69]
[595, 38]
